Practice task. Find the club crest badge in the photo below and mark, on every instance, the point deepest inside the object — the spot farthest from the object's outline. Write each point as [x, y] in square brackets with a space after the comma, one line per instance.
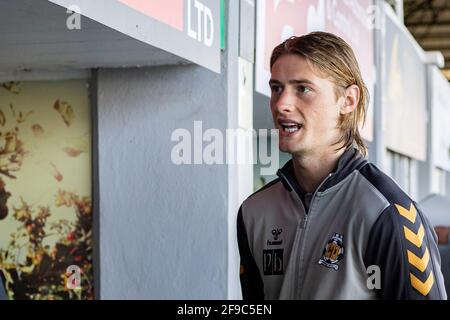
[333, 252]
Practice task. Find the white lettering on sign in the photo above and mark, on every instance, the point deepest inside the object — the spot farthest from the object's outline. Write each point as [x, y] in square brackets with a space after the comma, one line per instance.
[205, 22]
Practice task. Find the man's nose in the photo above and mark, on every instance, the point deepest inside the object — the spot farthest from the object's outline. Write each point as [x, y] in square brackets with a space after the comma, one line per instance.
[285, 102]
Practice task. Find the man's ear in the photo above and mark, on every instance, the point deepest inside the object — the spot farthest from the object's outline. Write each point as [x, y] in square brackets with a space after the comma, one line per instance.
[351, 99]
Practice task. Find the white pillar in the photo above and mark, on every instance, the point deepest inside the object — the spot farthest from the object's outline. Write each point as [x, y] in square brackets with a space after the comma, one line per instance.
[399, 10]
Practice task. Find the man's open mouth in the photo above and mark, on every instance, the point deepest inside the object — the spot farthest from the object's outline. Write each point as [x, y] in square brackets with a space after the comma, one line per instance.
[290, 127]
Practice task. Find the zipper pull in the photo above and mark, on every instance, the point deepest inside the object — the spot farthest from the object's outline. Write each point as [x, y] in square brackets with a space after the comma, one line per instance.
[305, 220]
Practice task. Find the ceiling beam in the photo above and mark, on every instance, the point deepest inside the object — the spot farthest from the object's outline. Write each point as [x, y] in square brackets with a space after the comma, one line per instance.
[428, 23]
[411, 8]
[435, 46]
[431, 36]
[440, 8]
[433, 13]
[421, 28]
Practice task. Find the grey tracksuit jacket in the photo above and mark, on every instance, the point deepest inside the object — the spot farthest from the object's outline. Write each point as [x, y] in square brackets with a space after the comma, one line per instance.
[359, 236]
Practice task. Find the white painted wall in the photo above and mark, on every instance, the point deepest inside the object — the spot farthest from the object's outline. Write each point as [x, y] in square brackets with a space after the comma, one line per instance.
[167, 231]
[163, 227]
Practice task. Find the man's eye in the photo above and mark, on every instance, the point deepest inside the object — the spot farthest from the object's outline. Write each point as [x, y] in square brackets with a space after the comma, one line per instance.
[303, 89]
[276, 89]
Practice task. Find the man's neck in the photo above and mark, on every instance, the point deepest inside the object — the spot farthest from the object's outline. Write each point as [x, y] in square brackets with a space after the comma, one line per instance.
[311, 169]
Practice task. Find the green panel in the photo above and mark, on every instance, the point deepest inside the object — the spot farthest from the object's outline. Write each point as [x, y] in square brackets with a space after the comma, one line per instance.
[222, 24]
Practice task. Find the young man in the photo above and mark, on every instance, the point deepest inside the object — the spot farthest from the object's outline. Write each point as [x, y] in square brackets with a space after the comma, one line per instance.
[332, 226]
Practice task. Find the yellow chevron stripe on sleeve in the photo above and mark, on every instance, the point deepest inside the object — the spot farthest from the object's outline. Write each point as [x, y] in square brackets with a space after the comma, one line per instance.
[420, 263]
[410, 214]
[423, 287]
[415, 239]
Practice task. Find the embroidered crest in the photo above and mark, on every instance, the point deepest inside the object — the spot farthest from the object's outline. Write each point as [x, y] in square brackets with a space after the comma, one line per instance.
[333, 252]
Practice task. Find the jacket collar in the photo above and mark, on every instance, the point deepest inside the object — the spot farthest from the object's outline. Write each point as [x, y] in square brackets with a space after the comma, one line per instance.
[349, 161]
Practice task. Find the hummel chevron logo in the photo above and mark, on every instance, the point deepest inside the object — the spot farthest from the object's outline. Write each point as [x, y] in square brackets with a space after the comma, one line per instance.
[416, 238]
[423, 287]
[408, 214]
[420, 263]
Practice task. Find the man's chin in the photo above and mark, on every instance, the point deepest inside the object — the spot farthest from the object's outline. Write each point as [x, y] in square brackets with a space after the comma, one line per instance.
[288, 148]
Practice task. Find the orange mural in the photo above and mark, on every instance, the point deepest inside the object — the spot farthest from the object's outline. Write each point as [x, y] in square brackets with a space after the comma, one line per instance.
[45, 190]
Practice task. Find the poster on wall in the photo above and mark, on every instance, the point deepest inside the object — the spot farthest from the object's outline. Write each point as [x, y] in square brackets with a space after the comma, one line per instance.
[45, 190]
[278, 20]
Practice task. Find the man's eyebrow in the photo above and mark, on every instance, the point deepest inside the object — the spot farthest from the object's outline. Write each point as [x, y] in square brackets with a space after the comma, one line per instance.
[293, 81]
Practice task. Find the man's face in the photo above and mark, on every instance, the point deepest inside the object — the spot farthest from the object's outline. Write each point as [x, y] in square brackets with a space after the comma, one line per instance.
[304, 107]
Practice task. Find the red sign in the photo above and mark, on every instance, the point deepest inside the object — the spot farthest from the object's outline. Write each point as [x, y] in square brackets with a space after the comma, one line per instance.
[285, 18]
[169, 12]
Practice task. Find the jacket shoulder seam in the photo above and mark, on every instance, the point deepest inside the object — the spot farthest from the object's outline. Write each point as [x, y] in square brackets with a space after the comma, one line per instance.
[266, 187]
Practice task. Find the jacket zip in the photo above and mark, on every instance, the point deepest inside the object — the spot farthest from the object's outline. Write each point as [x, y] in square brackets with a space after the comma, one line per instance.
[298, 273]
[305, 216]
